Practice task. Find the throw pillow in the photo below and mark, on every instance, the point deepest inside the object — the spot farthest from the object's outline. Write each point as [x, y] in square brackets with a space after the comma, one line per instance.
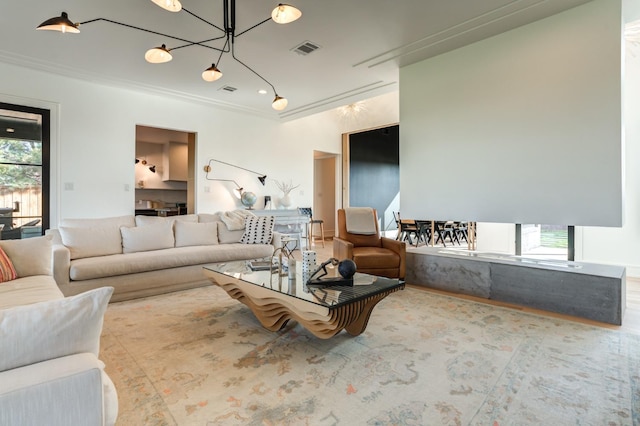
[7, 271]
[196, 234]
[31, 256]
[146, 238]
[258, 230]
[52, 329]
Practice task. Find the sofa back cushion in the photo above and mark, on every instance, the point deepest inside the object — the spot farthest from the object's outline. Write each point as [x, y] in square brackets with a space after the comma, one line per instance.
[31, 256]
[52, 329]
[195, 234]
[225, 236]
[148, 237]
[154, 220]
[91, 241]
[115, 222]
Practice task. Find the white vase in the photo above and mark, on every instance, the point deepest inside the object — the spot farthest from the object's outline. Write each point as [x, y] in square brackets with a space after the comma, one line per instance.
[285, 201]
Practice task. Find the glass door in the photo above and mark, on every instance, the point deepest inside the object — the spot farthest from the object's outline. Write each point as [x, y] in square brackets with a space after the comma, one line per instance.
[24, 171]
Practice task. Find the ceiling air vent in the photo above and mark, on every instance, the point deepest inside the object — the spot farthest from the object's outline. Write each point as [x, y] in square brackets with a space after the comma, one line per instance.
[229, 89]
[305, 48]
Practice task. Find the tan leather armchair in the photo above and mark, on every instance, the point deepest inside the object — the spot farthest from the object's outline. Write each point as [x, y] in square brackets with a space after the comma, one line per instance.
[372, 254]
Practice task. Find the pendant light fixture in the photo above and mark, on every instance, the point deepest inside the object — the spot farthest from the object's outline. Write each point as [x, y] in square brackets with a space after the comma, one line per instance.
[281, 14]
[285, 14]
[59, 23]
[212, 73]
[158, 55]
[279, 103]
[170, 5]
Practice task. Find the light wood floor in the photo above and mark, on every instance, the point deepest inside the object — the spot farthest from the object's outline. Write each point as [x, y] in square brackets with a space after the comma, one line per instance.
[630, 322]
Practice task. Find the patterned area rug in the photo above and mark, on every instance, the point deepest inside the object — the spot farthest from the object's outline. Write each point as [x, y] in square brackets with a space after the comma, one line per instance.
[198, 357]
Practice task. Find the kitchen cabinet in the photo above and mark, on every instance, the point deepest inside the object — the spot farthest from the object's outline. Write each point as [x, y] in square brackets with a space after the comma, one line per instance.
[175, 162]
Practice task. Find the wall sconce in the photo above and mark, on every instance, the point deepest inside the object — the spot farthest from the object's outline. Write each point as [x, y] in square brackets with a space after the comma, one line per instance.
[261, 177]
[152, 167]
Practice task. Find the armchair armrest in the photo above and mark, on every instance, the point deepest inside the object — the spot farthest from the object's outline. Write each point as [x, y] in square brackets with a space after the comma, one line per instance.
[342, 249]
[61, 259]
[400, 248]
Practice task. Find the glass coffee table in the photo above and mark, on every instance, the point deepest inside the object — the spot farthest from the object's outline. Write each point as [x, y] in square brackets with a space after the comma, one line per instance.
[324, 311]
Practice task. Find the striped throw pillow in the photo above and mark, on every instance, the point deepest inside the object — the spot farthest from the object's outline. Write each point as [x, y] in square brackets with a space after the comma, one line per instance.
[7, 271]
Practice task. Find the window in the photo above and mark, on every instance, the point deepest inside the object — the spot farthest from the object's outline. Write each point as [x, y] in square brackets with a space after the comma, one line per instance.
[548, 241]
[24, 171]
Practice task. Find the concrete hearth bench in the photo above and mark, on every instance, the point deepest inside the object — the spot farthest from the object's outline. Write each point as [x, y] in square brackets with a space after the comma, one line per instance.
[142, 256]
[586, 290]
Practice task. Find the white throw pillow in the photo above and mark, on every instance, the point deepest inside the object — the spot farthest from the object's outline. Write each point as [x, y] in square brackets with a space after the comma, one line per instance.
[149, 237]
[31, 256]
[258, 230]
[195, 234]
[91, 241]
[52, 329]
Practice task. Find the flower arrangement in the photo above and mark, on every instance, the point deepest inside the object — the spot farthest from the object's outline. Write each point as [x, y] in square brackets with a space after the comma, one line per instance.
[285, 187]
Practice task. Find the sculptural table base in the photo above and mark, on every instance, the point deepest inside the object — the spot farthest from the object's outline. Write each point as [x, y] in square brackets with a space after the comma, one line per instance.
[274, 309]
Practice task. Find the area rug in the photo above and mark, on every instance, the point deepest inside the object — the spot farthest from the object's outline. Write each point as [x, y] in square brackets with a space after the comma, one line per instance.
[198, 357]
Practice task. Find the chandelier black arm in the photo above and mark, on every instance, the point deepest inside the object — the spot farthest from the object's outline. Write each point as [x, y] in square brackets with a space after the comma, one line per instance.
[251, 69]
[191, 43]
[200, 43]
[203, 20]
[250, 28]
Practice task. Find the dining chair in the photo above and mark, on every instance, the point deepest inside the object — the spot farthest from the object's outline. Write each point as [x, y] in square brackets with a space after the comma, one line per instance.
[406, 228]
[311, 239]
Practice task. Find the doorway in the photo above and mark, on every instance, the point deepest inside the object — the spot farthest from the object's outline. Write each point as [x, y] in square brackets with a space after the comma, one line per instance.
[372, 173]
[164, 171]
[24, 171]
[325, 178]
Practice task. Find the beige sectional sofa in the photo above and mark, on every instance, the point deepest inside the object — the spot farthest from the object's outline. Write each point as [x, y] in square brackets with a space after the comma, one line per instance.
[143, 255]
[50, 373]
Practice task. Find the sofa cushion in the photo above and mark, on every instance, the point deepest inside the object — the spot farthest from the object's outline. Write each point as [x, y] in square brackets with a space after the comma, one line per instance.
[31, 256]
[28, 290]
[195, 234]
[258, 230]
[154, 220]
[149, 237]
[123, 264]
[91, 241]
[52, 329]
[375, 258]
[225, 235]
[115, 222]
[7, 271]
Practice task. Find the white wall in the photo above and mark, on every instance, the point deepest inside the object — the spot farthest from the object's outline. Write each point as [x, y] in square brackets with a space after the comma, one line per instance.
[526, 125]
[94, 142]
[609, 245]
[622, 245]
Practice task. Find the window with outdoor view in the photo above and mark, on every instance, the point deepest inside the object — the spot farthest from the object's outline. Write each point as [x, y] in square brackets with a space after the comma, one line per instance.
[24, 171]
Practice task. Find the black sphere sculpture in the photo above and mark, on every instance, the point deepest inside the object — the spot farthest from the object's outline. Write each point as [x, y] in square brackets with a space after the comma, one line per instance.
[347, 268]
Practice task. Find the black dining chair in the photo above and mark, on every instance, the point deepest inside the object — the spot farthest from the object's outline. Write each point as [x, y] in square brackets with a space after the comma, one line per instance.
[406, 229]
[311, 239]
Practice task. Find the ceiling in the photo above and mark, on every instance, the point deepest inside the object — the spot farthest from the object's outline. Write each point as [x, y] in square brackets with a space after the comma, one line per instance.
[362, 45]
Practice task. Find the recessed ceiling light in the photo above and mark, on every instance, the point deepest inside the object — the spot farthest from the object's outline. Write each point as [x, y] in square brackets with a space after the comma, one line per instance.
[10, 130]
[262, 92]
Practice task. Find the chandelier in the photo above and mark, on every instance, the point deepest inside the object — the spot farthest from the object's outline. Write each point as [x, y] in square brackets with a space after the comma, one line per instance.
[282, 14]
